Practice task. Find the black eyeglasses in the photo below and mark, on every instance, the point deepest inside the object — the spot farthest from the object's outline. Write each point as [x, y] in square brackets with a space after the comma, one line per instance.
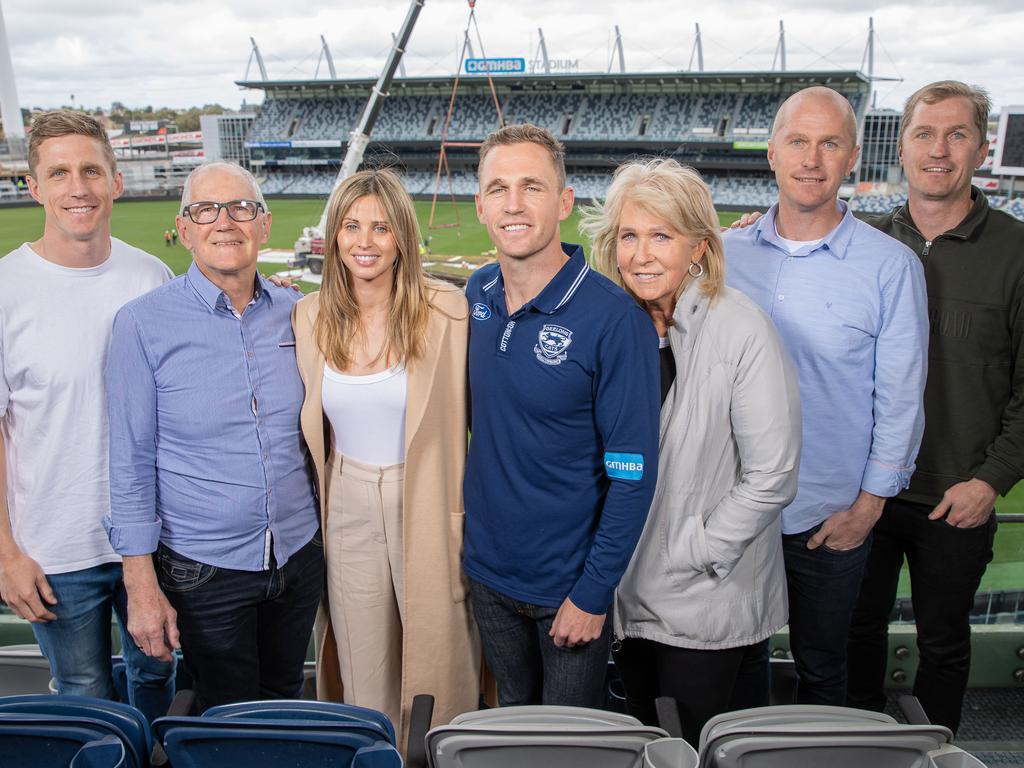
[207, 211]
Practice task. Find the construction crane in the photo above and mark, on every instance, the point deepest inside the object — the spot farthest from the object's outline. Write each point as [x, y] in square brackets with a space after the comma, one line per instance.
[310, 244]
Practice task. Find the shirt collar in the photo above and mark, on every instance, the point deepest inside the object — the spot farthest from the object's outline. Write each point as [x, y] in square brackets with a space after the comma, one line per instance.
[213, 296]
[966, 228]
[561, 288]
[835, 242]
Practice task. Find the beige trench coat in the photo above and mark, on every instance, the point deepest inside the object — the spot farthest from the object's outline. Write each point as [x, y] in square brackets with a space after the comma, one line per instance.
[440, 647]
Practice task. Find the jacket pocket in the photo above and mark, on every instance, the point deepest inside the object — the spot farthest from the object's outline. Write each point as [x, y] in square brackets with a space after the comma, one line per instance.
[456, 576]
[685, 550]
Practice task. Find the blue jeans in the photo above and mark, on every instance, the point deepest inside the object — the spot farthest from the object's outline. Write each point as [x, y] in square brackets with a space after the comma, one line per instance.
[823, 588]
[244, 634]
[77, 643]
[527, 665]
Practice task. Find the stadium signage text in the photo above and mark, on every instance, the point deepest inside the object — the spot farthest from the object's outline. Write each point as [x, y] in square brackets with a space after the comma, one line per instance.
[495, 66]
[554, 65]
[750, 145]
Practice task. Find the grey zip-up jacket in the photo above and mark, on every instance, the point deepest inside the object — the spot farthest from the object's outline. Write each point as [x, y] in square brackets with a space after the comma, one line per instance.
[708, 571]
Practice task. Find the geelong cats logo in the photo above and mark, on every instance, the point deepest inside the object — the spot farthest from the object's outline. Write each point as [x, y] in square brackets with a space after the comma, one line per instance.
[552, 343]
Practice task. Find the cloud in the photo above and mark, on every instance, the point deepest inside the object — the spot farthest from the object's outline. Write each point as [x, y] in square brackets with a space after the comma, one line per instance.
[182, 53]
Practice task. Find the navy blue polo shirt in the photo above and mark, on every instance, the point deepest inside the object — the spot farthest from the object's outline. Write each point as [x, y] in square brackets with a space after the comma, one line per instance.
[564, 451]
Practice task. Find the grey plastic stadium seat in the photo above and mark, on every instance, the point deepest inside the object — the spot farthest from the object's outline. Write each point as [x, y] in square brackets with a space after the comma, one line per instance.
[545, 715]
[568, 737]
[670, 753]
[837, 737]
[23, 669]
[785, 715]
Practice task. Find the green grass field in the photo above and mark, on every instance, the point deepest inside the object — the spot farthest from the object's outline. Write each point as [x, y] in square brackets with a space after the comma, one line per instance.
[143, 223]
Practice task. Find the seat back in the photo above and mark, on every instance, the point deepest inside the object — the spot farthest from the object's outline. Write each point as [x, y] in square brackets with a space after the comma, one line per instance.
[41, 741]
[121, 720]
[236, 743]
[565, 736]
[23, 669]
[787, 714]
[107, 752]
[894, 746]
[313, 711]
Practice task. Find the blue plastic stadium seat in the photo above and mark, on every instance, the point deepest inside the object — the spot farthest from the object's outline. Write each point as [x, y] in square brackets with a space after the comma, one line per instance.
[205, 742]
[45, 741]
[111, 717]
[108, 752]
[360, 718]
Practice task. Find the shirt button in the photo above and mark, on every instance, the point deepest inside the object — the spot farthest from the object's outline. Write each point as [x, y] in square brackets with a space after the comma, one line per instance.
[782, 296]
[266, 455]
[249, 355]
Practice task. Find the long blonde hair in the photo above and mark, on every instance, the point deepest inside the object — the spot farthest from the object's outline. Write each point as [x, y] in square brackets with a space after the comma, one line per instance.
[338, 323]
[673, 192]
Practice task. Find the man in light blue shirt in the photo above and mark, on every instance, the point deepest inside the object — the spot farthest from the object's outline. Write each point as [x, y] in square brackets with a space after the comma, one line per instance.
[209, 475]
[850, 305]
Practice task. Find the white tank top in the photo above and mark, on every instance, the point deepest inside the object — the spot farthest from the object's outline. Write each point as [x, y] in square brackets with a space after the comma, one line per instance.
[367, 414]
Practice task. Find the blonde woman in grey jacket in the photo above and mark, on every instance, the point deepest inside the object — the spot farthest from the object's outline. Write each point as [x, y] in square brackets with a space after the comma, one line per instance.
[706, 586]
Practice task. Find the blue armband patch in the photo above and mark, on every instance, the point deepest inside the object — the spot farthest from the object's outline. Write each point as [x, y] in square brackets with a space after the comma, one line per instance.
[624, 466]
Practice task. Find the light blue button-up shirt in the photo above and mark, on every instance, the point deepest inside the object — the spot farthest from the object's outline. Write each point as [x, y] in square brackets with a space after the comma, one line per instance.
[206, 453]
[852, 312]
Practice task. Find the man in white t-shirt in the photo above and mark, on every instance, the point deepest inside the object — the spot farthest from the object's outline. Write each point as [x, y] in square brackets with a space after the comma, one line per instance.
[58, 297]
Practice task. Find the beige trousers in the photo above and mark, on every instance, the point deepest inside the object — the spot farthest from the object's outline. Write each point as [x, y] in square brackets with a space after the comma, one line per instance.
[365, 580]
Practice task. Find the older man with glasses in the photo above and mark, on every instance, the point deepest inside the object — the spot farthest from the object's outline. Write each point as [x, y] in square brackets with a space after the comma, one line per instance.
[212, 503]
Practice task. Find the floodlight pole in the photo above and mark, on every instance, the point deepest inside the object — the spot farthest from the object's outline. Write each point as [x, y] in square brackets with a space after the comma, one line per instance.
[325, 54]
[698, 50]
[10, 109]
[617, 50]
[259, 61]
[360, 136]
[542, 49]
[780, 49]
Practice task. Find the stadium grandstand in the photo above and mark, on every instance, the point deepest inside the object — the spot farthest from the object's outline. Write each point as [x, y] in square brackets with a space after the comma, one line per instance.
[717, 122]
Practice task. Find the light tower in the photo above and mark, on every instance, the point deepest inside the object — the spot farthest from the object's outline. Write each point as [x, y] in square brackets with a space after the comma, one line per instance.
[10, 110]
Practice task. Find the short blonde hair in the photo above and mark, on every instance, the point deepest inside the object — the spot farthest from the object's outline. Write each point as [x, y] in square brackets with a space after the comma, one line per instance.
[526, 133]
[66, 122]
[670, 191]
[941, 90]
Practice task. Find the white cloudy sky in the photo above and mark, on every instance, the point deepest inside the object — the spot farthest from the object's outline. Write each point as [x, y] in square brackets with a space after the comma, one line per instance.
[192, 51]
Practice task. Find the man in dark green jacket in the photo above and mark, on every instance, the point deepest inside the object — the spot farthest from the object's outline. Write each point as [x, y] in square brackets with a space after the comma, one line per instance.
[973, 448]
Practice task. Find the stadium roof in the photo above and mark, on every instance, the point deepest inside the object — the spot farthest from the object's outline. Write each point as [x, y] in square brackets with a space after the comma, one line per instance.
[584, 81]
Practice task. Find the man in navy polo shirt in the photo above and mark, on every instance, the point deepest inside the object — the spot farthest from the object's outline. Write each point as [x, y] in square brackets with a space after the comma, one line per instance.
[563, 368]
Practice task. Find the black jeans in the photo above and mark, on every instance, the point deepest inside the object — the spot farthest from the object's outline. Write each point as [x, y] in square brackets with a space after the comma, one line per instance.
[527, 665]
[823, 585]
[703, 683]
[946, 565]
[244, 634]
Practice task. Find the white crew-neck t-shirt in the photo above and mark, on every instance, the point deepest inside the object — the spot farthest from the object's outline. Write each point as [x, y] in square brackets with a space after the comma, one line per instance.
[372, 410]
[54, 335]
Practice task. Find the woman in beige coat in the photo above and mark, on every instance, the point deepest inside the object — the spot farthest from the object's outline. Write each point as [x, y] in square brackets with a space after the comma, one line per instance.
[382, 353]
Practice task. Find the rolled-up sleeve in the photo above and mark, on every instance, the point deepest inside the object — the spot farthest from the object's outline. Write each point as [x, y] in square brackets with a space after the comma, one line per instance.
[765, 417]
[132, 524]
[901, 365]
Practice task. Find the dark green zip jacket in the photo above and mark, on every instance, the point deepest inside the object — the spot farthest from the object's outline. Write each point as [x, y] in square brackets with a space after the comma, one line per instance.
[974, 396]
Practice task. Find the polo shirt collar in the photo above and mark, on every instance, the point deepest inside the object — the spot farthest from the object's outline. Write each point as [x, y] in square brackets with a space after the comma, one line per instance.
[966, 228]
[835, 242]
[213, 296]
[559, 290]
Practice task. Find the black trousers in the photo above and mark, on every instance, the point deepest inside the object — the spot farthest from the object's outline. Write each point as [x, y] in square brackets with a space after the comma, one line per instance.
[703, 683]
[946, 565]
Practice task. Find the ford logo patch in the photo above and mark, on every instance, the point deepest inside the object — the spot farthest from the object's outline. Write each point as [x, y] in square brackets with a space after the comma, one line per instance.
[481, 311]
